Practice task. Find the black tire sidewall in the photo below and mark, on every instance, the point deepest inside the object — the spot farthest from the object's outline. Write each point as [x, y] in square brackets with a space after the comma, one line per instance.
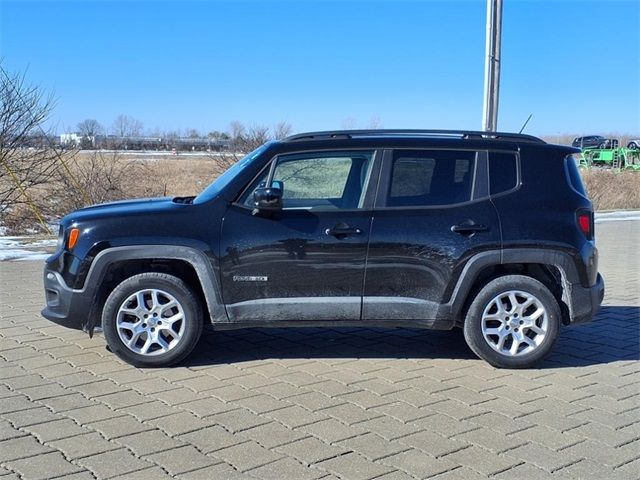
[170, 284]
[473, 321]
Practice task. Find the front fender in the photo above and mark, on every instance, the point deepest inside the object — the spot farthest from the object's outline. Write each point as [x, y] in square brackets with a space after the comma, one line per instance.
[197, 259]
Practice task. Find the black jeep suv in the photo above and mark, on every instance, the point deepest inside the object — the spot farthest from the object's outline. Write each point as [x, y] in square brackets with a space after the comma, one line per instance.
[491, 232]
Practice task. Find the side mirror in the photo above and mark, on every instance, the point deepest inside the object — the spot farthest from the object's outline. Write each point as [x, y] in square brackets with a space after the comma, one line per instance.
[268, 198]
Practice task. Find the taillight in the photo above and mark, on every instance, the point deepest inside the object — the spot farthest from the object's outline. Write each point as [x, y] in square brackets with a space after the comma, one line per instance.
[585, 222]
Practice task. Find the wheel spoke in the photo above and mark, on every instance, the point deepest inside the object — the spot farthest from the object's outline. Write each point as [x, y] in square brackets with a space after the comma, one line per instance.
[168, 306]
[528, 302]
[173, 319]
[162, 343]
[141, 302]
[501, 340]
[514, 302]
[494, 331]
[147, 344]
[535, 315]
[515, 344]
[134, 339]
[536, 329]
[155, 302]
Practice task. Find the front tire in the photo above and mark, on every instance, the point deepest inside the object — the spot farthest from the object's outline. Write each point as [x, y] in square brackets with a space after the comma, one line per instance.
[513, 322]
[152, 320]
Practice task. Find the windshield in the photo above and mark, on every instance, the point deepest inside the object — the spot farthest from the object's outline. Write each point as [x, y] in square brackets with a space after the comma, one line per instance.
[223, 180]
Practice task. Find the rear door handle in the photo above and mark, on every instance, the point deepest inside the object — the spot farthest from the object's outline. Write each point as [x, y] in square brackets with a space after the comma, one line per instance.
[342, 231]
[466, 229]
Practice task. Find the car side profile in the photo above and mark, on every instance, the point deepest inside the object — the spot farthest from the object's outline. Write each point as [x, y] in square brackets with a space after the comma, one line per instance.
[594, 141]
[489, 232]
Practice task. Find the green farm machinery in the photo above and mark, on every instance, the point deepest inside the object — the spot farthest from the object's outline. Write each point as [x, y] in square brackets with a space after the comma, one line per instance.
[618, 158]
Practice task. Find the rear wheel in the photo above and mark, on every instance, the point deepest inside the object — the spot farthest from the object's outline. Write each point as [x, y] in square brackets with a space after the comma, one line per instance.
[632, 145]
[513, 322]
[152, 320]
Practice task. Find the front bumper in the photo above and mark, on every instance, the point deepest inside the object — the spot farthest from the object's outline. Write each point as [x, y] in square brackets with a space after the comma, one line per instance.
[65, 306]
[585, 302]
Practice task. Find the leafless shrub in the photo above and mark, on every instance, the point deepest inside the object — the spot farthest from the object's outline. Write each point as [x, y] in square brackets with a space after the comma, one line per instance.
[103, 177]
[281, 130]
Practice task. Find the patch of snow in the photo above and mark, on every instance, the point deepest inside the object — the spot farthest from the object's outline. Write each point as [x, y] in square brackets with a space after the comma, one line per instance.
[19, 254]
[25, 248]
[617, 216]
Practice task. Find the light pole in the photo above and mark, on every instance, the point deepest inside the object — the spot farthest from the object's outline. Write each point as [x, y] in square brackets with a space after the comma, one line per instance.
[492, 66]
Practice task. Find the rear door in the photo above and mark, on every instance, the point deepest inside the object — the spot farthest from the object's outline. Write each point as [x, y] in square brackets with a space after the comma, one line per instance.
[307, 261]
[432, 212]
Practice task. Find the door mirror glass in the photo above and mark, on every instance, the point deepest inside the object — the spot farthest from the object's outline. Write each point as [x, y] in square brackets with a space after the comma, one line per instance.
[268, 198]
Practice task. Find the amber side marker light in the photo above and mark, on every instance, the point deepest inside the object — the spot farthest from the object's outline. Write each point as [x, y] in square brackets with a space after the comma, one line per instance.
[74, 233]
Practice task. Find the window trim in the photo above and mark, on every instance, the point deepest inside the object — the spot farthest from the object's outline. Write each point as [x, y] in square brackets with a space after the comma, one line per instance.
[387, 170]
[370, 190]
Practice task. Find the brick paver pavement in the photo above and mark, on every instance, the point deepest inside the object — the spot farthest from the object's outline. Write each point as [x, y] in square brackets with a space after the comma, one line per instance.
[352, 403]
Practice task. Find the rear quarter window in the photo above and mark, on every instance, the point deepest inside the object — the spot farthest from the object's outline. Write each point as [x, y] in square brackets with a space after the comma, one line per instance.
[571, 163]
[503, 172]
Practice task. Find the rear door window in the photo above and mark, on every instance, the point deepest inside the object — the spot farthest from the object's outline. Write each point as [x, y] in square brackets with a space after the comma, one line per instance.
[430, 177]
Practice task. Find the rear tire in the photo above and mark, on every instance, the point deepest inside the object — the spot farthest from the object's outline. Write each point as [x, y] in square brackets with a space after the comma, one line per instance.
[152, 320]
[513, 322]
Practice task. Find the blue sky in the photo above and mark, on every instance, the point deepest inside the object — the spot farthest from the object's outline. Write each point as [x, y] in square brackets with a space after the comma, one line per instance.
[328, 64]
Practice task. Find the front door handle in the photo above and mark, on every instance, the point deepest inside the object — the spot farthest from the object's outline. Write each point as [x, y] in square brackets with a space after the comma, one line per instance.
[468, 229]
[342, 230]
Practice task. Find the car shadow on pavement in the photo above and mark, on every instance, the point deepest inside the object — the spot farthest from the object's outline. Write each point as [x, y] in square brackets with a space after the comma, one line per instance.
[614, 335]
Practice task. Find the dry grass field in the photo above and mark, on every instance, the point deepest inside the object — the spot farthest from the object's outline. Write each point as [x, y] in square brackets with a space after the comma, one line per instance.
[108, 176]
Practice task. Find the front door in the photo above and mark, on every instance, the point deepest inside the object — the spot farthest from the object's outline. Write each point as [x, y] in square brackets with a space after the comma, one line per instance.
[307, 261]
[432, 213]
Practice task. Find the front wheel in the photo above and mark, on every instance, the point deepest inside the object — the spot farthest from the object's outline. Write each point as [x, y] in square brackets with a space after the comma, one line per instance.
[513, 322]
[152, 320]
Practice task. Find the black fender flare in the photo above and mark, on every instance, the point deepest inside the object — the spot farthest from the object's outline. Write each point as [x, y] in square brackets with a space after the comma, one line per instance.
[205, 271]
[467, 278]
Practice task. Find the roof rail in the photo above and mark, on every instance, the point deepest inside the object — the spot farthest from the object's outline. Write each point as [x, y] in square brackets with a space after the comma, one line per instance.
[464, 134]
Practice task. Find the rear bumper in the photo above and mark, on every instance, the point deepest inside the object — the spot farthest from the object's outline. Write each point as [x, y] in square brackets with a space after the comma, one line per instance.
[64, 306]
[585, 302]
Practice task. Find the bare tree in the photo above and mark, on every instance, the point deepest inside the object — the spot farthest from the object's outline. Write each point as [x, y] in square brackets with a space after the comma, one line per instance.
[26, 157]
[256, 136]
[281, 130]
[88, 130]
[237, 133]
[126, 126]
